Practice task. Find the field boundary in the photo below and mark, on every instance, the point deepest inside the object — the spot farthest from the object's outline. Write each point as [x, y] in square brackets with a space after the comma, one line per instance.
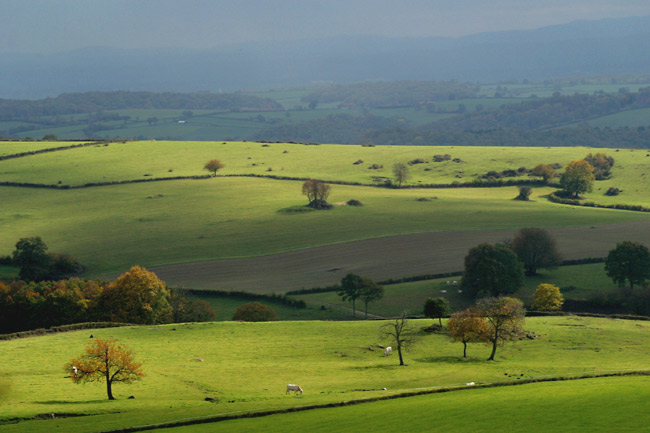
[417, 392]
[57, 149]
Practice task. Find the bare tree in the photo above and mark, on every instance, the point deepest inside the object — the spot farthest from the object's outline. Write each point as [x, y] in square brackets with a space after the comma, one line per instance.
[400, 334]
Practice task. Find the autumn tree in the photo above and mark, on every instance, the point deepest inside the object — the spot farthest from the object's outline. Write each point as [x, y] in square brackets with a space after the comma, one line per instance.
[137, 296]
[105, 361]
[504, 319]
[467, 326]
[544, 171]
[351, 287]
[535, 248]
[547, 298]
[317, 193]
[401, 173]
[578, 177]
[436, 308]
[255, 312]
[212, 166]
[400, 333]
[602, 165]
[492, 270]
[370, 292]
[629, 261]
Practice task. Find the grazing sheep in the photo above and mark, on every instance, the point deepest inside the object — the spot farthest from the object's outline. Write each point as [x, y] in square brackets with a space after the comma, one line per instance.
[388, 351]
[295, 388]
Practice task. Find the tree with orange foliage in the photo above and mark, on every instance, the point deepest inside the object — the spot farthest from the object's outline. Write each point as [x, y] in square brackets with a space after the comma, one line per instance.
[212, 166]
[105, 360]
[467, 326]
[504, 318]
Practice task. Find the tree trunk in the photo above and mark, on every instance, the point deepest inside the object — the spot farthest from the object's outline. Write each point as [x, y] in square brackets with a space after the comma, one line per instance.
[399, 352]
[440, 320]
[109, 391]
[366, 310]
[464, 349]
[494, 350]
[354, 310]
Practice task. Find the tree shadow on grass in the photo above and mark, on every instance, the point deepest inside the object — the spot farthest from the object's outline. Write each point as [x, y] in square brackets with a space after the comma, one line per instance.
[451, 360]
[295, 210]
[72, 401]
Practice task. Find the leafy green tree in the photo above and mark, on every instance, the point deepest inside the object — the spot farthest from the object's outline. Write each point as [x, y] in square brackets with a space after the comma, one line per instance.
[535, 248]
[524, 193]
[544, 171]
[578, 177]
[504, 319]
[32, 258]
[548, 298]
[492, 270]
[351, 289]
[629, 261]
[437, 308]
[401, 173]
[255, 312]
[370, 292]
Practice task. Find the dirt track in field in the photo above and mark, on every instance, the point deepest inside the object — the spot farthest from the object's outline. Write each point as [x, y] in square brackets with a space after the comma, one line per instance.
[381, 258]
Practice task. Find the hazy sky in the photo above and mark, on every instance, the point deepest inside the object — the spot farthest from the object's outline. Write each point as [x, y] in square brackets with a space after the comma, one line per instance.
[60, 25]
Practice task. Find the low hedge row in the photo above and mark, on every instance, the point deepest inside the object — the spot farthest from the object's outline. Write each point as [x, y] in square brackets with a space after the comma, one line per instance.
[62, 328]
[274, 298]
[574, 202]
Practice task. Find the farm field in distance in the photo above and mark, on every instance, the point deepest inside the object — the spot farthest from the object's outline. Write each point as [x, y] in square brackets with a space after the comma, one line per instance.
[332, 361]
[180, 221]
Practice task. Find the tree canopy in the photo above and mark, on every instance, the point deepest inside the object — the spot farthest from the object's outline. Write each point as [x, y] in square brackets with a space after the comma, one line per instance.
[629, 261]
[548, 298]
[578, 177]
[213, 165]
[401, 173]
[317, 193]
[467, 326]
[255, 312]
[535, 248]
[436, 308]
[504, 318]
[370, 292]
[492, 270]
[351, 289]
[105, 360]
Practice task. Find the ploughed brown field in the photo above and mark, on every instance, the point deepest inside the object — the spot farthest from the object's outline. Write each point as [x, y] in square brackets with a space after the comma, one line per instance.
[382, 258]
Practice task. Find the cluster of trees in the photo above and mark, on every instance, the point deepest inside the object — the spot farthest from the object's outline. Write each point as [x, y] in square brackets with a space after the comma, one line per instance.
[37, 264]
[354, 287]
[137, 296]
[317, 193]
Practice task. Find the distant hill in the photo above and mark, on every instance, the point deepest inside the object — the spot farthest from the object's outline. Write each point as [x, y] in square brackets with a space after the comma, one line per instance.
[612, 46]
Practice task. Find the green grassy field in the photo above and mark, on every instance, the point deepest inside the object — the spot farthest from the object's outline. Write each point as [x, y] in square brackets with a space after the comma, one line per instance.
[330, 360]
[113, 227]
[559, 407]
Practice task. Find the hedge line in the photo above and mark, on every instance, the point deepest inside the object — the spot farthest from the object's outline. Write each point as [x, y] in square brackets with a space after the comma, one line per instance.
[91, 184]
[62, 328]
[603, 316]
[574, 202]
[55, 149]
[227, 417]
[277, 299]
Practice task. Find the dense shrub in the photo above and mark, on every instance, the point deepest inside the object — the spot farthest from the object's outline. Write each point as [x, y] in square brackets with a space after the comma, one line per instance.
[255, 312]
[524, 193]
[613, 191]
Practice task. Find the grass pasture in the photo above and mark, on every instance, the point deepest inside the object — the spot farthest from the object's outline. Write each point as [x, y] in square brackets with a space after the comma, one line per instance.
[330, 360]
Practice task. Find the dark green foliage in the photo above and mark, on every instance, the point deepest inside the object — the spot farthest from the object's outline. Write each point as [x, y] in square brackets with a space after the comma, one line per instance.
[370, 292]
[611, 191]
[437, 308]
[492, 270]
[602, 165]
[629, 261]
[524, 193]
[191, 310]
[535, 248]
[351, 287]
[32, 258]
[255, 312]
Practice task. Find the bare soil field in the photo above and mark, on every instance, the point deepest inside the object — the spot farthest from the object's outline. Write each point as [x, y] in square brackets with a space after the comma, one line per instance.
[381, 258]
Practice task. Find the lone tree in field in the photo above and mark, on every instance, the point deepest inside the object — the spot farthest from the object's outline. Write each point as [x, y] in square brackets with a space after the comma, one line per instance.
[317, 192]
[370, 292]
[212, 166]
[504, 319]
[578, 177]
[535, 248]
[492, 270]
[400, 334]
[629, 261]
[544, 171]
[105, 361]
[467, 326]
[32, 258]
[401, 173]
[547, 298]
[437, 308]
[351, 289]
[255, 312]
[524, 193]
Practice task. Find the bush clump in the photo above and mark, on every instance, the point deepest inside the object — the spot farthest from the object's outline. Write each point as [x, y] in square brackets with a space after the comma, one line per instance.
[613, 191]
[255, 312]
[524, 193]
[354, 202]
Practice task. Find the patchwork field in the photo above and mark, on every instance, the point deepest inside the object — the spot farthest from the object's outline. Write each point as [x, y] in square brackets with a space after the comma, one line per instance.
[332, 361]
[110, 228]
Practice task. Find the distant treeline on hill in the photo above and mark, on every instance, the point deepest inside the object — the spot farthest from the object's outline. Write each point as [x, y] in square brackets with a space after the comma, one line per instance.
[393, 94]
[71, 103]
[547, 112]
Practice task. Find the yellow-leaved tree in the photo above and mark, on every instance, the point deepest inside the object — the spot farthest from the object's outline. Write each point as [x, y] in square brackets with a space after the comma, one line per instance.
[548, 298]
